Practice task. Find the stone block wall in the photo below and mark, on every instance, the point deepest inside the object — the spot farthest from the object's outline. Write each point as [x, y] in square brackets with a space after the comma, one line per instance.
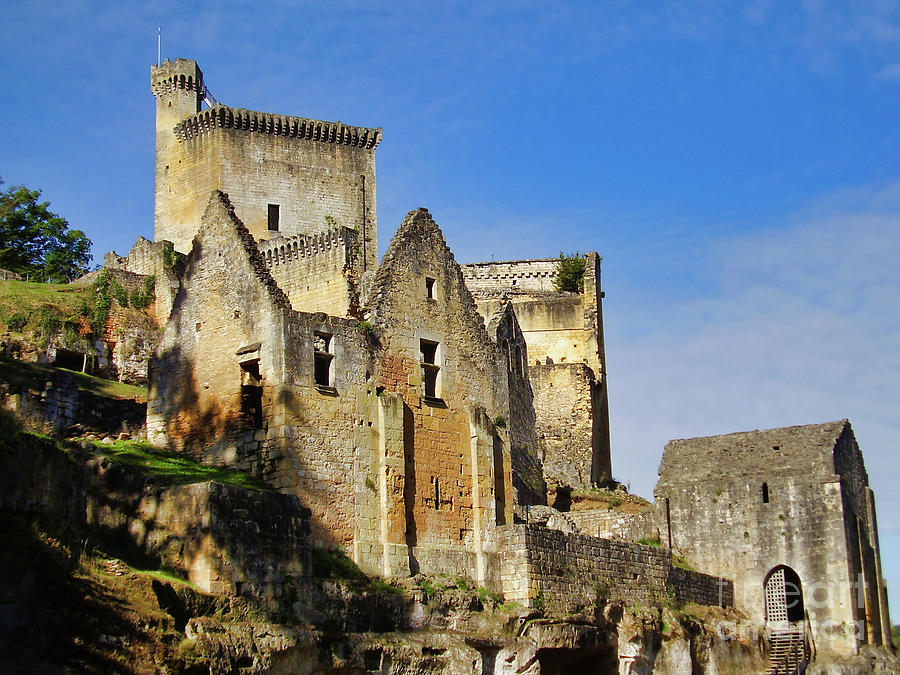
[226, 539]
[457, 470]
[317, 272]
[60, 403]
[388, 473]
[527, 472]
[701, 589]
[564, 395]
[567, 572]
[724, 527]
[516, 275]
[614, 524]
[743, 504]
[148, 258]
[559, 328]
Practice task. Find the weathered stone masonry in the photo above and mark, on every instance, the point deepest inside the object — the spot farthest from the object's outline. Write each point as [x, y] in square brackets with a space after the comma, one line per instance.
[402, 479]
[306, 173]
[569, 571]
[566, 357]
[747, 504]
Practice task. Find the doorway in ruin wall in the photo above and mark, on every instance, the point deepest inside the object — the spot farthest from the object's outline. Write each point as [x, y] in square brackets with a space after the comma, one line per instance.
[783, 596]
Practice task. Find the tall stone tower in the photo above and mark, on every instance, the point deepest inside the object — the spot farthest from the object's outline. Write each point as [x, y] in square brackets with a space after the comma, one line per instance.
[285, 176]
[178, 88]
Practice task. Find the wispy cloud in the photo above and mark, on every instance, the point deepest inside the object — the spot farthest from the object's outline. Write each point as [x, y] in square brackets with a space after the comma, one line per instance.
[890, 72]
[803, 327]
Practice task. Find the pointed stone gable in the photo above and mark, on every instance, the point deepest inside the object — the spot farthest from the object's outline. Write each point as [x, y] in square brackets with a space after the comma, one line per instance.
[807, 449]
[403, 314]
[220, 221]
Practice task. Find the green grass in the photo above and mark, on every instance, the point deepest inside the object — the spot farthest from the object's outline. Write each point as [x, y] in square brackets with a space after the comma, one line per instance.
[45, 309]
[680, 561]
[34, 375]
[168, 468]
[165, 576]
[650, 541]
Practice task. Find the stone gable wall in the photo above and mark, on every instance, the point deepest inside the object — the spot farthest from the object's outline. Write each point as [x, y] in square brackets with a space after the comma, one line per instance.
[458, 477]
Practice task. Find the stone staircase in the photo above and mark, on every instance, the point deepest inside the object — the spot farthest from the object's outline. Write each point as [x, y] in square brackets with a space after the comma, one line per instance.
[789, 650]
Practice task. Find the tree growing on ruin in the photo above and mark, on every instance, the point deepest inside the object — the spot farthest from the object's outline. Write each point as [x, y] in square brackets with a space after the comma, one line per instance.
[570, 273]
[36, 242]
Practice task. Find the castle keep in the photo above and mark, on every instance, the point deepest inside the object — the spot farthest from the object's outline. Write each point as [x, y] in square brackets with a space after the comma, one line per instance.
[417, 406]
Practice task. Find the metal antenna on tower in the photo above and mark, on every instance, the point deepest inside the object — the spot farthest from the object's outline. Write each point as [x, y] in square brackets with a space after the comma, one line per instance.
[158, 44]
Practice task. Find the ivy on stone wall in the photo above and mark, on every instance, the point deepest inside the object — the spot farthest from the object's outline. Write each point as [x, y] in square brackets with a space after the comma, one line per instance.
[141, 297]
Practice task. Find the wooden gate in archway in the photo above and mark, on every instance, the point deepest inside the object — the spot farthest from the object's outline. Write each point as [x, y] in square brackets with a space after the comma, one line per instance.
[789, 648]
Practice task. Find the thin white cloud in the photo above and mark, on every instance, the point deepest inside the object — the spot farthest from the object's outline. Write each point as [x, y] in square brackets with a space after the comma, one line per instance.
[804, 327]
[890, 72]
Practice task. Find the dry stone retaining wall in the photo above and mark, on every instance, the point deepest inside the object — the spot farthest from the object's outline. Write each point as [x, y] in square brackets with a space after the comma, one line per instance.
[613, 524]
[60, 403]
[566, 572]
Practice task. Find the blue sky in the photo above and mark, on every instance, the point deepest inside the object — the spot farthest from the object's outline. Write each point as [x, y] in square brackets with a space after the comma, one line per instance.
[737, 165]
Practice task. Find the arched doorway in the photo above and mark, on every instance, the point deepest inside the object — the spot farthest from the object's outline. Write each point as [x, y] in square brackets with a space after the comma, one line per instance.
[783, 595]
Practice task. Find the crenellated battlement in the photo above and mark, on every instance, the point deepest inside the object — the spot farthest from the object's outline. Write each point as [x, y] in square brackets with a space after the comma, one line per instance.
[284, 250]
[511, 276]
[174, 75]
[318, 272]
[225, 117]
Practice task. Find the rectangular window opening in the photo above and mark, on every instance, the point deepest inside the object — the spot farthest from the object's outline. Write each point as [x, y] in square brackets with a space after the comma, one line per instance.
[429, 288]
[430, 368]
[324, 360]
[273, 217]
[251, 394]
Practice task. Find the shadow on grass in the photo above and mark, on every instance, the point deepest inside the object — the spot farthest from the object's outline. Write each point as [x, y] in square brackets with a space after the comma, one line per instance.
[166, 468]
[35, 375]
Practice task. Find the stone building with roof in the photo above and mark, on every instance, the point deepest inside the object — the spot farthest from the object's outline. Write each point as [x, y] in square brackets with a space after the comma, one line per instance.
[788, 514]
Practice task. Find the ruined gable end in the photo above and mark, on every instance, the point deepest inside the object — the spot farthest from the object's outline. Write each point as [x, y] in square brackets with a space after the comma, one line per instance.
[435, 353]
[227, 302]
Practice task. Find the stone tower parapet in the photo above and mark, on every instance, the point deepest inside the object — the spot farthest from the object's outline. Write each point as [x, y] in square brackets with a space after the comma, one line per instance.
[279, 125]
[319, 272]
[285, 175]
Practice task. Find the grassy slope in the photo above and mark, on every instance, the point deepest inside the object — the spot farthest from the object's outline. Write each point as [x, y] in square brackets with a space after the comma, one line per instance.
[166, 468]
[43, 309]
[33, 375]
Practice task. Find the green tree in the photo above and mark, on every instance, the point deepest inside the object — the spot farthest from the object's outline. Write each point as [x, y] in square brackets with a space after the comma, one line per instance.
[37, 242]
[570, 273]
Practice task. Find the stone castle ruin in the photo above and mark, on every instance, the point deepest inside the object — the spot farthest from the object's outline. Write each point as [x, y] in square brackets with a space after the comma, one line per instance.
[418, 408]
